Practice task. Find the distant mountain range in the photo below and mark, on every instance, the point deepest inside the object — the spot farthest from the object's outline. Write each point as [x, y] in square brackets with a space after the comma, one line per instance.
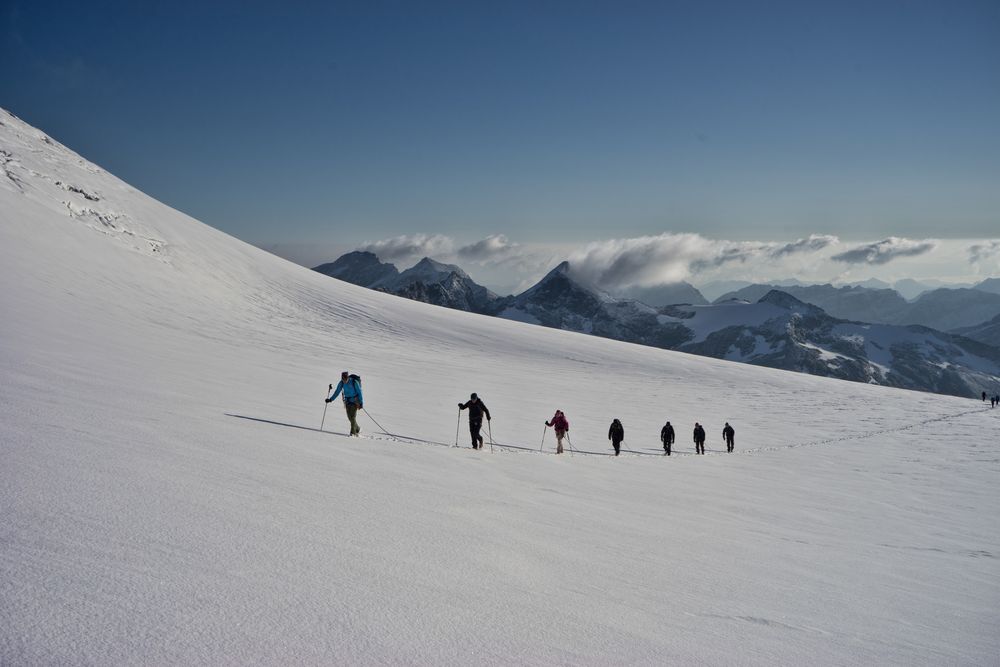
[987, 332]
[428, 281]
[757, 324]
[944, 308]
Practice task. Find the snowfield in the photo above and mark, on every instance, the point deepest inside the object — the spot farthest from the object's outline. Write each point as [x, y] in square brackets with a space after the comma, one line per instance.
[167, 498]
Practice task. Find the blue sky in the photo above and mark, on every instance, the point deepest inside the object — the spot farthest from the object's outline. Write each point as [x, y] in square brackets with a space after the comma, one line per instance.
[327, 126]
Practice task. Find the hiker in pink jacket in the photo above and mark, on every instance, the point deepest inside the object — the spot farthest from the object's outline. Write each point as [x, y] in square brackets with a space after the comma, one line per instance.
[561, 426]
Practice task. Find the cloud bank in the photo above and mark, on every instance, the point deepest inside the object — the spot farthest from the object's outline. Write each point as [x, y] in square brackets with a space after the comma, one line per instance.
[983, 252]
[493, 248]
[648, 261]
[405, 247]
[651, 261]
[885, 251]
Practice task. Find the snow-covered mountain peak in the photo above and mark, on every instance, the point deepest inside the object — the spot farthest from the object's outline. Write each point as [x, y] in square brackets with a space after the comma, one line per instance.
[788, 302]
[428, 270]
[361, 268]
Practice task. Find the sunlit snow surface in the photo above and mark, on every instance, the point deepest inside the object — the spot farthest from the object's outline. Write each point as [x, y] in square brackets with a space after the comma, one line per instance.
[166, 497]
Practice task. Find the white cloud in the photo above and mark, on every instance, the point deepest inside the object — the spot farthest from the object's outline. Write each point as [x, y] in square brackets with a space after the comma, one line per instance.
[405, 247]
[648, 261]
[493, 248]
[983, 252]
[883, 252]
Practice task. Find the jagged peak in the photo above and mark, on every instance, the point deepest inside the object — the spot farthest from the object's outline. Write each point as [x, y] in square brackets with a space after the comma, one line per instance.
[428, 267]
[788, 302]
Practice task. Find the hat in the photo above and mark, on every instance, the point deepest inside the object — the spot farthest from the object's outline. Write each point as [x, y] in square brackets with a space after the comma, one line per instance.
[473, 397]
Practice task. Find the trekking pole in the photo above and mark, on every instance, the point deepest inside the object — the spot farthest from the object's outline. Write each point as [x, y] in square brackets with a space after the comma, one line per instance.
[543, 437]
[458, 425]
[325, 406]
[489, 427]
[570, 443]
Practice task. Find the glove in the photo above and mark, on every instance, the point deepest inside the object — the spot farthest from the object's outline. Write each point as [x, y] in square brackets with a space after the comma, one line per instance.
[328, 400]
[361, 406]
[459, 406]
[488, 418]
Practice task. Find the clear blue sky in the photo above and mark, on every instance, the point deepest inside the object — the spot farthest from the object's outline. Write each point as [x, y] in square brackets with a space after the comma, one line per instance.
[544, 121]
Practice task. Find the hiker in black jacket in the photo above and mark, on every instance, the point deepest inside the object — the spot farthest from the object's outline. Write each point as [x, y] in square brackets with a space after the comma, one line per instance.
[729, 435]
[699, 439]
[667, 437]
[616, 434]
[476, 411]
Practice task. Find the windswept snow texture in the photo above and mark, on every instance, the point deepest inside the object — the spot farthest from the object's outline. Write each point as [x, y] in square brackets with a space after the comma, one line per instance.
[166, 496]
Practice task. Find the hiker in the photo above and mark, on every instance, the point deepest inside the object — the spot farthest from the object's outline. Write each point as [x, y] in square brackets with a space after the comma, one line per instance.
[353, 401]
[476, 411]
[729, 435]
[561, 425]
[984, 397]
[667, 437]
[699, 439]
[616, 434]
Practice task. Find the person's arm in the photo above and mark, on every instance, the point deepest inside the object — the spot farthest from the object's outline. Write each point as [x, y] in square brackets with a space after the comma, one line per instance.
[357, 390]
[610, 431]
[487, 411]
[462, 406]
[340, 386]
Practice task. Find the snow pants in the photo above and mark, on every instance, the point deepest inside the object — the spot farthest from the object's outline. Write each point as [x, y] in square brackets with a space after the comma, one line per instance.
[617, 444]
[666, 447]
[730, 444]
[699, 446]
[475, 426]
[352, 416]
[559, 436]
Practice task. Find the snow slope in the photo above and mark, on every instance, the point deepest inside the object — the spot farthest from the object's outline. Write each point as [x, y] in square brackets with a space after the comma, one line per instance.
[167, 498]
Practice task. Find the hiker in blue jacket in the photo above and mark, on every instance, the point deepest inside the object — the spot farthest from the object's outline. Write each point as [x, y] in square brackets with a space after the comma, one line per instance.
[353, 401]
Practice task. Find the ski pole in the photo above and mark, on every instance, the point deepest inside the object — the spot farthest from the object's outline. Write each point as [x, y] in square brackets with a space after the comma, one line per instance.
[325, 406]
[570, 443]
[489, 427]
[546, 430]
[458, 425]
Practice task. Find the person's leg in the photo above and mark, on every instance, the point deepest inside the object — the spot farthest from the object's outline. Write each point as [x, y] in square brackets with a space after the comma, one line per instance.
[474, 427]
[352, 416]
[559, 437]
